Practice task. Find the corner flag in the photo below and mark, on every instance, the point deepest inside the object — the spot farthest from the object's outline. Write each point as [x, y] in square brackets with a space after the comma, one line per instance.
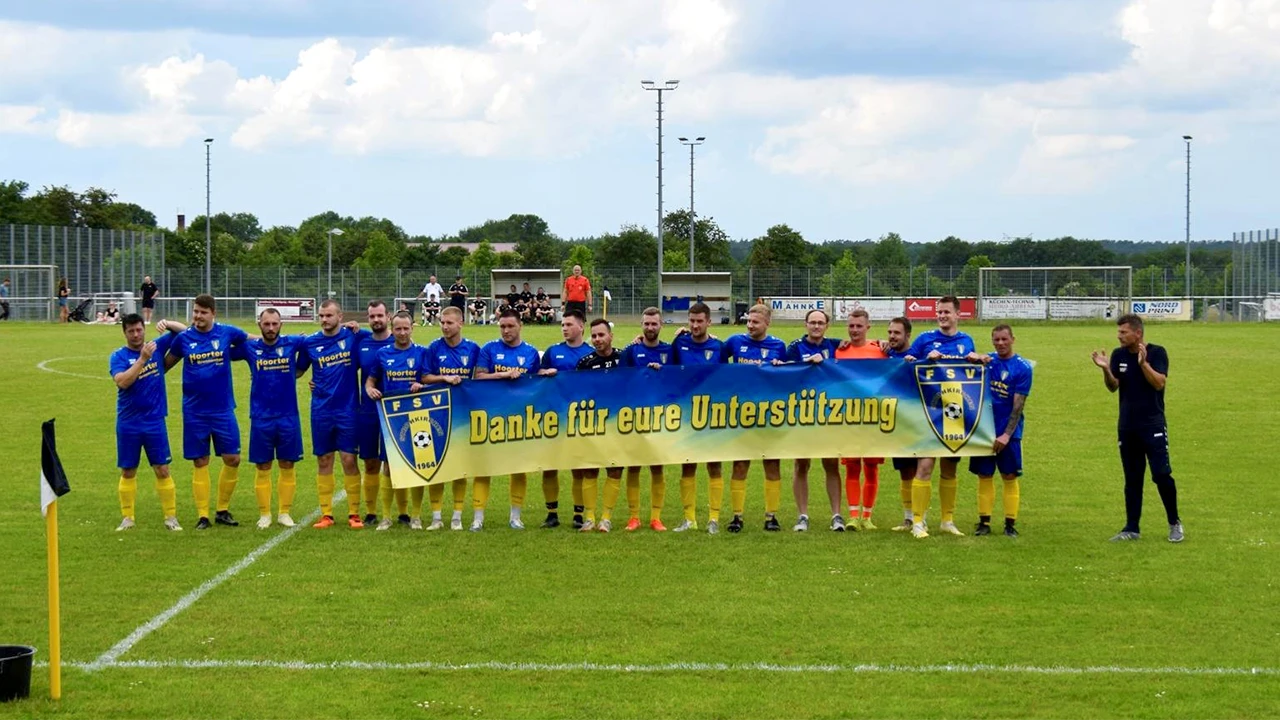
[53, 485]
[53, 481]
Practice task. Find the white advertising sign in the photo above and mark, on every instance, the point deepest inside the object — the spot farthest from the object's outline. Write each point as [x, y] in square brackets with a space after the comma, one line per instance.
[1162, 309]
[1271, 307]
[881, 309]
[1014, 308]
[795, 308]
[1083, 309]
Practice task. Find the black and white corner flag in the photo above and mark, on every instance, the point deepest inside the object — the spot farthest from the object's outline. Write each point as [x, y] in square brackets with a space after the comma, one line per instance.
[53, 481]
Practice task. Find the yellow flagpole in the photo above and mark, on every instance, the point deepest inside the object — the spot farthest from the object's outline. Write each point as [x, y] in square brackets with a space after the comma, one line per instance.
[55, 620]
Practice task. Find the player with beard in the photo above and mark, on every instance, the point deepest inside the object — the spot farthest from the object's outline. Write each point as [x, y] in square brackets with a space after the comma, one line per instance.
[603, 357]
[652, 353]
[695, 346]
[564, 357]
[377, 480]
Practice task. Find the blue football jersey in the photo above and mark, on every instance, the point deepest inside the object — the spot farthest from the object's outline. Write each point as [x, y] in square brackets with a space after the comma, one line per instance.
[367, 356]
[334, 370]
[1007, 378]
[800, 350]
[206, 368]
[273, 389]
[741, 349]
[641, 355]
[146, 398]
[397, 369]
[445, 360]
[687, 352]
[958, 345]
[497, 356]
[562, 357]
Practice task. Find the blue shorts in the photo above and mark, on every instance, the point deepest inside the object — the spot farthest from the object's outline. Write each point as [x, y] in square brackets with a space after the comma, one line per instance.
[198, 430]
[330, 433]
[905, 463]
[277, 438]
[369, 436]
[1008, 461]
[139, 435]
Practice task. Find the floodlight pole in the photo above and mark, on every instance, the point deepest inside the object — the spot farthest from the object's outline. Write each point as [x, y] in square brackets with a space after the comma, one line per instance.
[666, 85]
[331, 232]
[1187, 138]
[692, 227]
[208, 222]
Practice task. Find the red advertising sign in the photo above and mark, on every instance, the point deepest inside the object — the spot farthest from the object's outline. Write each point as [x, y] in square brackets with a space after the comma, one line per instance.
[923, 308]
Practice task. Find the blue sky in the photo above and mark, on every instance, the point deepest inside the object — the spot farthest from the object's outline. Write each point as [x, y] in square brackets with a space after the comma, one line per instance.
[843, 119]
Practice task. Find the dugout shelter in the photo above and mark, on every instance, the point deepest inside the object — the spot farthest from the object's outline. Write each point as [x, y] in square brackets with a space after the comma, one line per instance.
[551, 281]
[682, 289]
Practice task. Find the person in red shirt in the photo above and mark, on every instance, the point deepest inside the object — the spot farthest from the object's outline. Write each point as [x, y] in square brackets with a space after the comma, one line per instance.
[577, 292]
[861, 495]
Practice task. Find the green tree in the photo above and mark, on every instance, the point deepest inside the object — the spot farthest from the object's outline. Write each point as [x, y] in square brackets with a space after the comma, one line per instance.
[845, 278]
[379, 252]
[949, 252]
[632, 246]
[422, 255]
[13, 202]
[54, 205]
[511, 259]
[579, 255]
[780, 247]
[890, 252]
[454, 257]
[481, 260]
[711, 247]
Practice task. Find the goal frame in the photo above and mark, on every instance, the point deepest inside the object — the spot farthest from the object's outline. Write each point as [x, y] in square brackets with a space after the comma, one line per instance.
[1122, 301]
[39, 294]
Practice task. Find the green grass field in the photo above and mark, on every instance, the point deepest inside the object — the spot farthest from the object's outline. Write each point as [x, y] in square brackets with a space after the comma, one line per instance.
[1059, 623]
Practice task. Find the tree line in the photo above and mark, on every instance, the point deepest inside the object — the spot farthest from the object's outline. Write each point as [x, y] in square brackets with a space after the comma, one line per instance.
[369, 243]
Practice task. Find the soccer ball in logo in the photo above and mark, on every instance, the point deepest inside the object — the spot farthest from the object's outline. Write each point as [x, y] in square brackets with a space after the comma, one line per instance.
[953, 411]
[421, 439]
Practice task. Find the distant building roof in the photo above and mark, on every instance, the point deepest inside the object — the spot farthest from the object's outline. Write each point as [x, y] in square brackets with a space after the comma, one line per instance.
[471, 247]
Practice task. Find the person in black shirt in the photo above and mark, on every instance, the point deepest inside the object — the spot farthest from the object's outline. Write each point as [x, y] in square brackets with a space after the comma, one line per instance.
[526, 295]
[543, 312]
[513, 297]
[477, 311]
[458, 293]
[149, 292]
[430, 310]
[605, 357]
[541, 295]
[1140, 371]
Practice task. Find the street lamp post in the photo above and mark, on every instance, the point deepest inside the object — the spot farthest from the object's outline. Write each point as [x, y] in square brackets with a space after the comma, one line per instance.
[665, 86]
[331, 233]
[208, 222]
[1187, 138]
[692, 144]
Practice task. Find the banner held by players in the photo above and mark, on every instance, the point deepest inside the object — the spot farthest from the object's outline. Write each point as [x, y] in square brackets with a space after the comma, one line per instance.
[679, 414]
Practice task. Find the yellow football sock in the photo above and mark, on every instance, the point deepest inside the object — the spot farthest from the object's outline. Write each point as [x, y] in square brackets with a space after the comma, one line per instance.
[372, 483]
[200, 490]
[904, 488]
[947, 488]
[611, 488]
[351, 483]
[633, 491]
[168, 493]
[1012, 498]
[715, 496]
[288, 486]
[262, 490]
[551, 489]
[576, 487]
[436, 494]
[128, 489]
[519, 483]
[921, 494]
[402, 499]
[415, 499]
[689, 494]
[986, 496]
[324, 488]
[738, 495]
[657, 493]
[459, 494]
[385, 493]
[772, 495]
[480, 493]
[227, 480]
[590, 486]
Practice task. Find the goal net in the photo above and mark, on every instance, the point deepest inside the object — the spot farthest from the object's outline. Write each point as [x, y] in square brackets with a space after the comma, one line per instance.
[1054, 293]
[32, 292]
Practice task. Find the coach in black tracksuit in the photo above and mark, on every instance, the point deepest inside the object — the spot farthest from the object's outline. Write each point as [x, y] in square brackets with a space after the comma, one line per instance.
[1139, 371]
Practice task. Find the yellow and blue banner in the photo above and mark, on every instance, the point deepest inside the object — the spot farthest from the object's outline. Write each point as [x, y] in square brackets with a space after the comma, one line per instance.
[682, 414]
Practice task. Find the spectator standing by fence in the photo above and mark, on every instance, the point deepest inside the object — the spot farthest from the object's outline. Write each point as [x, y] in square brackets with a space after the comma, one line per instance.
[64, 292]
[4, 299]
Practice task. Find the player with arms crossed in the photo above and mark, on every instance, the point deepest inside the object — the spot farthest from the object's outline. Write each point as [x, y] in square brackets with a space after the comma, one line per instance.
[1140, 372]
[208, 405]
[815, 347]
[695, 346]
[507, 358]
[141, 407]
[331, 352]
[1009, 380]
[564, 357]
[376, 483]
[652, 353]
[396, 370]
[450, 359]
[861, 495]
[946, 342]
[755, 347]
[603, 357]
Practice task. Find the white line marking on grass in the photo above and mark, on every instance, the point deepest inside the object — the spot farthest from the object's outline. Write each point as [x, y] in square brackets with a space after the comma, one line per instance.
[109, 658]
[694, 667]
[44, 365]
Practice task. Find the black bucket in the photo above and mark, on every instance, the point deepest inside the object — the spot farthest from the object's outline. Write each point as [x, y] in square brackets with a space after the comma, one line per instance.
[15, 671]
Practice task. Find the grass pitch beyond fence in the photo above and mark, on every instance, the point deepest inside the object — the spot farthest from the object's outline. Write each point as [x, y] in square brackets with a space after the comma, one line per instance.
[340, 623]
